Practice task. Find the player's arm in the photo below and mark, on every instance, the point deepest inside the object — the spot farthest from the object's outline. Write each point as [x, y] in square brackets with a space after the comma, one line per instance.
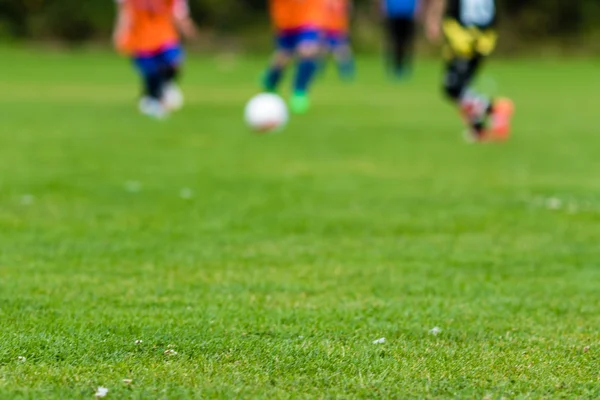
[122, 23]
[432, 14]
[183, 19]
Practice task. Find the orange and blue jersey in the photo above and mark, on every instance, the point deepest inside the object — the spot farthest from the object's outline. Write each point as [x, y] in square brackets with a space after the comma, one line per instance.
[151, 37]
[298, 21]
[338, 23]
[151, 25]
[289, 15]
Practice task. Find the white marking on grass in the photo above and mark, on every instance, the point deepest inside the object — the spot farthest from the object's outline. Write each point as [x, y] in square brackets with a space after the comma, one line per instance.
[573, 208]
[186, 193]
[435, 331]
[27, 199]
[101, 392]
[554, 203]
[379, 341]
[133, 186]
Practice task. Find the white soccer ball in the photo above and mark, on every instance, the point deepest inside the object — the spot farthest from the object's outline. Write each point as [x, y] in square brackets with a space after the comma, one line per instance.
[266, 112]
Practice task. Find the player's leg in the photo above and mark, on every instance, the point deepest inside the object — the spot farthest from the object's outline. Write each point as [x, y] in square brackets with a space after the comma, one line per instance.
[171, 64]
[279, 62]
[308, 52]
[465, 57]
[400, 45]
[502, 109]
[151, 104]
[339, 45]
[474, 106]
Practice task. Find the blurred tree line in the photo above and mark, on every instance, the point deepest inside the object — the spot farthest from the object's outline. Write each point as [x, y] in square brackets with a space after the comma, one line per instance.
[82, 20]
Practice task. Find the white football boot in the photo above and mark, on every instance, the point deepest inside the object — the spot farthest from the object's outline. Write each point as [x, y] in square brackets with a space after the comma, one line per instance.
[173, 97]
[152, 108]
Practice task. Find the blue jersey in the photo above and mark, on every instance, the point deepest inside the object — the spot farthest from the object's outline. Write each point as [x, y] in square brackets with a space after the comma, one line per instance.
[400, 8]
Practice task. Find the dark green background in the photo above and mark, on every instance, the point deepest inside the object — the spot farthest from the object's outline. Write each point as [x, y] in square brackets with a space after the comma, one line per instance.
[548, 21]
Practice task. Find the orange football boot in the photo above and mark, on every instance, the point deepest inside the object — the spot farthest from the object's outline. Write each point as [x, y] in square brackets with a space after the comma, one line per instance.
[499, 124]
[501, 117]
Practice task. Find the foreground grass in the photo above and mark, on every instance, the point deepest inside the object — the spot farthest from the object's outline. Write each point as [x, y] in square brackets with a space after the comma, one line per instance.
[266, 267]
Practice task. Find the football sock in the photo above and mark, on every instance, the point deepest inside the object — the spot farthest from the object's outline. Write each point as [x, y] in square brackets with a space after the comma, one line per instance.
[153, 86]
[171, 74]
[272, 78]
[400, 70]
[307, 67]
[346, 67]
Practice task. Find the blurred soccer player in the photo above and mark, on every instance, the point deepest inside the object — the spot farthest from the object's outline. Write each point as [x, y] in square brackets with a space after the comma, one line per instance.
[400, 25]
[337, 37]
[299, 28]
[148, 32]
[469, 30]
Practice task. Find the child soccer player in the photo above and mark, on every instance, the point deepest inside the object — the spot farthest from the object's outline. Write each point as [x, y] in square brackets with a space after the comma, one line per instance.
[469, 30]
[400, 25]
[337, 37]
[148, 32]
[299, 29]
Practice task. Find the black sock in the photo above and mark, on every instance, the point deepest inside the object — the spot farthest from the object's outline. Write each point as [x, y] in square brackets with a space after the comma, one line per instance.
[170, 74]
[153, 86]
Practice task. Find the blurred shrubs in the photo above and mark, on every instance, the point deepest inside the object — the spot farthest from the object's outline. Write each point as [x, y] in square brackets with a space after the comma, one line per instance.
[82, 20]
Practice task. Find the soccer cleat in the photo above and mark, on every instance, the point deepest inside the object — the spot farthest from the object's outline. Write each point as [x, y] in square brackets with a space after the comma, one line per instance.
[152, 108]
[502, 112]
[300, 103]
[173, 98]
[475, 131]
[495, 130]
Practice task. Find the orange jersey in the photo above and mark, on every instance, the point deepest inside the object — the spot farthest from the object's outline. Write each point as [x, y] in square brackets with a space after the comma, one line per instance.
[150, 24]
[293, 14]
[338, 16]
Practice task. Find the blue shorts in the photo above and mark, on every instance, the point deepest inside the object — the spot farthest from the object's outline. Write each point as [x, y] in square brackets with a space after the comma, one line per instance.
[152, 63]
[289, 40]
[336, 39]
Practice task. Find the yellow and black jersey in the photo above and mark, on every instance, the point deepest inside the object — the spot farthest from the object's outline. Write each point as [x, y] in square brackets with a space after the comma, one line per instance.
[472, 13]
[469, 28]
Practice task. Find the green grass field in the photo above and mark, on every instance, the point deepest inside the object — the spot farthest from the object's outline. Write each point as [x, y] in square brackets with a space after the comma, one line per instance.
[266, 266]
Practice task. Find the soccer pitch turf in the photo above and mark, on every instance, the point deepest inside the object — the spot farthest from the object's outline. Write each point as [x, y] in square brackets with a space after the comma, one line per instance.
[201, 261]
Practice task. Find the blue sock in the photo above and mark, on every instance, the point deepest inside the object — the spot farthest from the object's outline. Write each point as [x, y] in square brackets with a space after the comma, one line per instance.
[272, 78]
[322, 65]
[401, 72]
[307, 67]
[347, 68]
